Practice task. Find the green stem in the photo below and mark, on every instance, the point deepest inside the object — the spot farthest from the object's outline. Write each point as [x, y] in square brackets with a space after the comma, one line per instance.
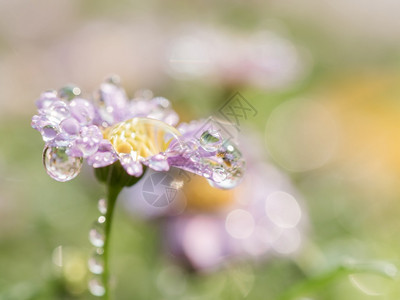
[112, 195]
[115, 178]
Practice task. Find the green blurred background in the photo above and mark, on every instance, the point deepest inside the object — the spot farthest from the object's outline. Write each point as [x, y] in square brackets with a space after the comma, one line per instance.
[328, 112]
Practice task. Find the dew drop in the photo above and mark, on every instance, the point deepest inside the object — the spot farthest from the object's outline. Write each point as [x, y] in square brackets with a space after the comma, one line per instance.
[207, 172]
[59, 165]
[49, 132]
[233, 167]
[102, 206]
[219, 174]
[57, 112]
[231, 180]
[82, 110]
[96, 235]
[46, 99]
[96, 288]
[158, 162]
[69, 92]
[96, 263]
[70, 126]
[89, 141]
[210, 141]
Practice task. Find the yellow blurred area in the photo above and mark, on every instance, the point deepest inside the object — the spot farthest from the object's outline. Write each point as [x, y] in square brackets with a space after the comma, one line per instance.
[367, 112]
[202, 197]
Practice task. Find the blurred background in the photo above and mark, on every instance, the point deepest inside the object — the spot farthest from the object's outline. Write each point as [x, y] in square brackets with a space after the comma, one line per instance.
[323, 149]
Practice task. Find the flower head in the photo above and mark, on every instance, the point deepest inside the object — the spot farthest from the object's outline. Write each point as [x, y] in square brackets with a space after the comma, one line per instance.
[137, 132]
[206, 229]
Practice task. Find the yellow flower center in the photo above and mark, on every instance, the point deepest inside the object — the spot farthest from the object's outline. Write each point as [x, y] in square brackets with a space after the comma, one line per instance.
[145, 137]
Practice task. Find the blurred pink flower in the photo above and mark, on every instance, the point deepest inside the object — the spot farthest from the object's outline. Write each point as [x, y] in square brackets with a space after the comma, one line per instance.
[204, 231]
[263, 59]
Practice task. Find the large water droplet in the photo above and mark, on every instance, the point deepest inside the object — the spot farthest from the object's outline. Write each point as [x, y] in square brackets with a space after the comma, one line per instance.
[210, 141]
[96, 263]
[59, 165]
[233, 165]
[96, 235]
[102, 206]
[96, 287]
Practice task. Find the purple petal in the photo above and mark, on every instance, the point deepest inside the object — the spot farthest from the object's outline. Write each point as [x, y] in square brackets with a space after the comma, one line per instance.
[82, 110]
[131, 165]
[157, 162]
[46, 99]
[70, 126]
[88, 142]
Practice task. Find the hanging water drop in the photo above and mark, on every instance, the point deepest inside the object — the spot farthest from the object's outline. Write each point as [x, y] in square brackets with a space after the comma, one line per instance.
[102, 206]
[96, 288]
[96, 263]
[229, 183]
[96, 235]
[219, 174]
[59, 165]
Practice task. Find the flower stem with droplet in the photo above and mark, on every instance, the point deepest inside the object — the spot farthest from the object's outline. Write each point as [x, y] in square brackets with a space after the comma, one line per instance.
[112, 195]
[115, 179]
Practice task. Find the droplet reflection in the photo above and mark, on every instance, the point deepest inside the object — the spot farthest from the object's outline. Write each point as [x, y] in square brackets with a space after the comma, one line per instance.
[96, 287]
[96, 235]
[59, 165]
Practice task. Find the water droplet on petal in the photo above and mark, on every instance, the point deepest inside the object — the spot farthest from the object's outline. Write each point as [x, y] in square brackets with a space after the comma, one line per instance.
[89, 141]
[207, 172]
[231, 180]
[59, 165]
[96, 263]
[82, 110]
[49, 132]
[69, 92]
[96, 287]
[219, 174]
[57, 111]
[46, 99]
[70, 126]
[131, 165]
[233, 165]
[102, 206]
[158, 162]
[96, 235]
[210, 141]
